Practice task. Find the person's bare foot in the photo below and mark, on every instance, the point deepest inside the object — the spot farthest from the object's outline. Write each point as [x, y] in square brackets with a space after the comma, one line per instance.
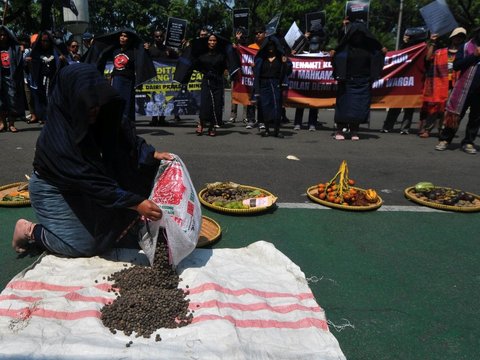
[22, 235]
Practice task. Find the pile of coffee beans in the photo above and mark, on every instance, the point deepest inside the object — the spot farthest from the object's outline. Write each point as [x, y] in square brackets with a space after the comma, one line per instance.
[148, 298]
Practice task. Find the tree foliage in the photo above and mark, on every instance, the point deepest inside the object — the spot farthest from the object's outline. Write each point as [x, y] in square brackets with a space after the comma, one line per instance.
[146, 15]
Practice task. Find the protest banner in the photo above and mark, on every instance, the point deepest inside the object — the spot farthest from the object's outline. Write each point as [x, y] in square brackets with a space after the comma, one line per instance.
[161, 96]
[357, 10]
[438, 18]
[271, 27]
[315, 20]
[240, 19]
[311, 83]
[295, 38]
[176, 30]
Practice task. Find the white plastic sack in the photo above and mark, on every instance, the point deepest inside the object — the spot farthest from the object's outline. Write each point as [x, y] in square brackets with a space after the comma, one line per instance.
[174, 193]
[250, 303]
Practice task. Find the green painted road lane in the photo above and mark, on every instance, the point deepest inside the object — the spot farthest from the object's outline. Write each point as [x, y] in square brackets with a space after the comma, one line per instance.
[408, 282]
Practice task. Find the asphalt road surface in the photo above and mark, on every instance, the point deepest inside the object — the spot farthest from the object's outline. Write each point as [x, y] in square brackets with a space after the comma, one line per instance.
[386, 162]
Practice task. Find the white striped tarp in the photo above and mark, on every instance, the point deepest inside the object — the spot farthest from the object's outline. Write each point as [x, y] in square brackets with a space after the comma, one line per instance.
[249, 303]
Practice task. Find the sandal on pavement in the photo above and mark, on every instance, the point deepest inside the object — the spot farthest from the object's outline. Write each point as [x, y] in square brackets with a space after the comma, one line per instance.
[3, 127]
[355, 138]
[199, 130]
[424, 135]
[12, 128]
[339, 137]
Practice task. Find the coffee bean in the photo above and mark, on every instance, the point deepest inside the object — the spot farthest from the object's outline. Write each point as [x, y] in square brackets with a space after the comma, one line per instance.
[148, 298]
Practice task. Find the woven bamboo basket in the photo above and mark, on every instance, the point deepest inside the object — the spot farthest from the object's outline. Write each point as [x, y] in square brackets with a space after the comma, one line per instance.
[312, 193]
[238, 211]
[7, 189]
[410, 194]
[210, 232]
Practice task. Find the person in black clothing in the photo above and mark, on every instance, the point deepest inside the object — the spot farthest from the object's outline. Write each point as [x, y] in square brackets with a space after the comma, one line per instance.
[271, 72]
[158, 51]
[46, 59]
[357, 62]
[92, 174]
[211, 56]
[131, 65]
[11, 80]
[412, 36]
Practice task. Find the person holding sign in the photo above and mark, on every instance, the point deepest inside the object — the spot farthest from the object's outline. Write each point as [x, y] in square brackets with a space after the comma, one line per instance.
[464, 96]
[357, 62]
[439, 80]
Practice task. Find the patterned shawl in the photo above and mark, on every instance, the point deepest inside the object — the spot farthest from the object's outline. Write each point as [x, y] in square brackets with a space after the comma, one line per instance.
[460, 91]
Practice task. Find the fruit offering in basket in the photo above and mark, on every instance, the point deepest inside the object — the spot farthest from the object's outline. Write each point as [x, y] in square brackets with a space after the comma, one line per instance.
[19, 194]
[426, 191]
[340, 190]
[230, 195]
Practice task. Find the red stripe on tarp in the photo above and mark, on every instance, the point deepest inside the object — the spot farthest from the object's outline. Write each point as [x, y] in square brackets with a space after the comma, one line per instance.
[266, 324]
[247, 291]
[21, 298]
[39, 285]
[78, 297]
[70, 296]
[26, 313]
[282, 309]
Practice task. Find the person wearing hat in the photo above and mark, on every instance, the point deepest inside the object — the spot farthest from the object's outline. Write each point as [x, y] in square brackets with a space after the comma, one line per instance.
[464, 96]
[87, 39]
[439, 80]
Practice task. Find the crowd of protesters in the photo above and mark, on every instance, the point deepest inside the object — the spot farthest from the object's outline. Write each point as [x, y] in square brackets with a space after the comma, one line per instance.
[452, 77]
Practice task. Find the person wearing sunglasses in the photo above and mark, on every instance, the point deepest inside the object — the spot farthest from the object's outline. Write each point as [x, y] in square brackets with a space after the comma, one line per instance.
[73, 53]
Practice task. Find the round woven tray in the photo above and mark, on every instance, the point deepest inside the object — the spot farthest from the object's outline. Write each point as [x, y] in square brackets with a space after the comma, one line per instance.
[210, 232]
[238, 211]
[6, 189]
[410, 194]
[312, 193]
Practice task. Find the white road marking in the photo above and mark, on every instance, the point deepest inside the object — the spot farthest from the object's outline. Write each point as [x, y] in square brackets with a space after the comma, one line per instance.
[382, 208]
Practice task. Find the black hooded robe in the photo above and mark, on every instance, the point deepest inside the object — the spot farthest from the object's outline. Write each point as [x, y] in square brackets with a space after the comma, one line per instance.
[11, 74]
[139, 66]
[99, 169]
[355, 67]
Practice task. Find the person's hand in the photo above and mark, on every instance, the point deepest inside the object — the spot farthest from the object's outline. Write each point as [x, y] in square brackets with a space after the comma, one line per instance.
[148, 209]
[238, 35]
[476, 52]
[332, 53]
[162, 156]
